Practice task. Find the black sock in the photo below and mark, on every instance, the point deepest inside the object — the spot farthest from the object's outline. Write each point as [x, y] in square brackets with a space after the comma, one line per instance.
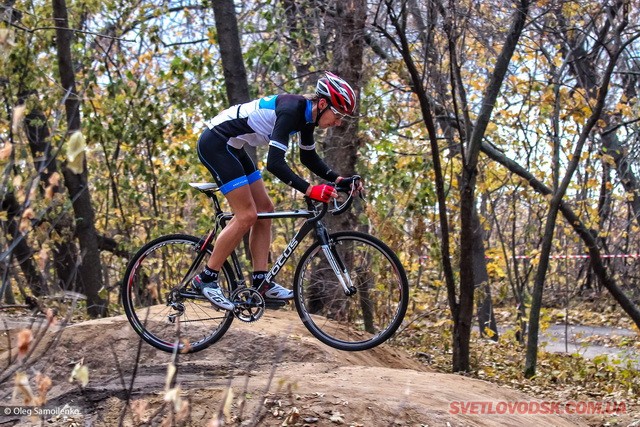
[257, 277]
[208, 275]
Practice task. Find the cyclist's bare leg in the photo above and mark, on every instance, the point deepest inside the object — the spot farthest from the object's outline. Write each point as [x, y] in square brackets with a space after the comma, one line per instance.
[260, 237]
[245, 216]
[260, 241]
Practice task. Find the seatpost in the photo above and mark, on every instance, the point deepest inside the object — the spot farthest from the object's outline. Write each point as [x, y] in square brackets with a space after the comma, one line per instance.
[216, 202]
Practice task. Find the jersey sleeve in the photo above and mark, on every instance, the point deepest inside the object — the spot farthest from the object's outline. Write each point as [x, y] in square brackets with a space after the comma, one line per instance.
[310, 158]
[278, 145]
[277, 165]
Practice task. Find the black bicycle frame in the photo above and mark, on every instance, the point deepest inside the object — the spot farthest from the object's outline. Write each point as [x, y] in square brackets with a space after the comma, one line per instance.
[313, 221]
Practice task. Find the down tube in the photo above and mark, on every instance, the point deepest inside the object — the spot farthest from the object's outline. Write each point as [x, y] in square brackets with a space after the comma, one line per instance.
[295, 241]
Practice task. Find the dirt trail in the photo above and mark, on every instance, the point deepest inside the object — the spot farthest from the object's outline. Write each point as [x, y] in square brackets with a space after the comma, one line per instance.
[272, 366]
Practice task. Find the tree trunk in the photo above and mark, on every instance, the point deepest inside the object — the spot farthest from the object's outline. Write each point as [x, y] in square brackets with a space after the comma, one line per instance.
[21, 251]
[65, 254]
[588, 237]
[89, 280]
[417, 86]
[235, 73]
[298, 22]
[468, 183]
[600, 96]
[342, 143]
[462, 322]
[586, 72]
[486, 318]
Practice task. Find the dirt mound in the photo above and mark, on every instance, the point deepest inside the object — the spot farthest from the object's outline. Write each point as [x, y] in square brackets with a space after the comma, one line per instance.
[278, 374]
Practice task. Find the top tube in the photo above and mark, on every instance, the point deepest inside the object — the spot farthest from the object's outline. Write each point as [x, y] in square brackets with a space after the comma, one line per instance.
[298, 213]
[209, 188]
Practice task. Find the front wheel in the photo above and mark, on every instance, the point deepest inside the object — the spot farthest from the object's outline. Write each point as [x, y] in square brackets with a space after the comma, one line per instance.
[373, 306]
[158, 300]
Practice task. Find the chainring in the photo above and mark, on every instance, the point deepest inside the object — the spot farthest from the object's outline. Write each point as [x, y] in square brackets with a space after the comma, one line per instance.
[249, 304]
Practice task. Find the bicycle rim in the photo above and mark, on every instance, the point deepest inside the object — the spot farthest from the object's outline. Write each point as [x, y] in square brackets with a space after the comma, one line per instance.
[158, 268]
[365, 319]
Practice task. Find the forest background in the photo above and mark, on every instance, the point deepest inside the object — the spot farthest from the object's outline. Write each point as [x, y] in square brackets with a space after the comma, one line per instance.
[498, 142]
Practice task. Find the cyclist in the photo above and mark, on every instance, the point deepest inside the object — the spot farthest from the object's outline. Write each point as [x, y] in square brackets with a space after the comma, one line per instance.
[270, 120]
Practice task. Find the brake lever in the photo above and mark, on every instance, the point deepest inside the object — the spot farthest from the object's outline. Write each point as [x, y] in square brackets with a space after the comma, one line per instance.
[335, 203]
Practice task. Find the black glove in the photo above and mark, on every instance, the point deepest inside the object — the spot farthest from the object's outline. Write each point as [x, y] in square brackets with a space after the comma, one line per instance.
[345, 184]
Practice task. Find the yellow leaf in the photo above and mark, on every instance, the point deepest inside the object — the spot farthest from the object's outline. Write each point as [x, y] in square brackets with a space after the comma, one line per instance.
[43, 383]
[139, 407]
[21, 386]
[25, 337]
[76, 148]
[171, 371]
[489, 332]
[173, 396]
[54, 183]
[7, 41]
[80, 373]
[608, 159]
[226, 409]
[7, 37]
[6, 150]
[25, 220]
[18, 117]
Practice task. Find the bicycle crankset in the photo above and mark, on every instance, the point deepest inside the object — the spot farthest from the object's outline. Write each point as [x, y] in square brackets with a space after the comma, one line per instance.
[249, 304]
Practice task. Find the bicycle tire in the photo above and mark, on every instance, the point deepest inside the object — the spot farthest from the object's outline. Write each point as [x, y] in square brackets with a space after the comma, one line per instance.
[370, 316]
[156, 269]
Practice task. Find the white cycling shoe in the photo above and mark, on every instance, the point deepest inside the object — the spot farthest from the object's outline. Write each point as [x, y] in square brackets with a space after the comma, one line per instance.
[213, 293]
[275, 291]
[216, 297]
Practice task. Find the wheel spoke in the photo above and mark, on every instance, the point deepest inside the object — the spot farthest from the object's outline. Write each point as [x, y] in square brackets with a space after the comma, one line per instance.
[148, 288]
[369, 316]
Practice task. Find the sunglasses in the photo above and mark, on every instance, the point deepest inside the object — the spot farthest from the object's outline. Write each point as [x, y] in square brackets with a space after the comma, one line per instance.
[338, 114]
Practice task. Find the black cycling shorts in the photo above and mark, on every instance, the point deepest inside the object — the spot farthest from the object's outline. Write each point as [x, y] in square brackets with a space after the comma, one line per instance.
[231, 167]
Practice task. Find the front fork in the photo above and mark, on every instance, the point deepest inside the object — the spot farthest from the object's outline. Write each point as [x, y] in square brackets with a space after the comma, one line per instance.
[336, 263]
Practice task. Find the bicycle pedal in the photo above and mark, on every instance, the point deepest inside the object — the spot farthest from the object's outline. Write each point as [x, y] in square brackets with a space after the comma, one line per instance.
[274, 304]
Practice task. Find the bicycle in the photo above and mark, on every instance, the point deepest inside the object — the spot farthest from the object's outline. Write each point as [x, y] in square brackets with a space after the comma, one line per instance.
[350, 289]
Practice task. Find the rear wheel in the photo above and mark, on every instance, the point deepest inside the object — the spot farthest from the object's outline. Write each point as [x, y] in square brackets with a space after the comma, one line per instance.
[158, 301]
[369, 313]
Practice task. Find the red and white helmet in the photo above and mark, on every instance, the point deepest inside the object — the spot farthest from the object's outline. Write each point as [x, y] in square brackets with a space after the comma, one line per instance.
[338, 92]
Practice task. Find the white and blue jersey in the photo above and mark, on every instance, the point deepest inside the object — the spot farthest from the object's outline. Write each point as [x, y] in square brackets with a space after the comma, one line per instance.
[269, 120]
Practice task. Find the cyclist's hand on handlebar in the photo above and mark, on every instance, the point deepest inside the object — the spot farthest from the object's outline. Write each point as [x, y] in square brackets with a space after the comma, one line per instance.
[347, 184]
[322, 193]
